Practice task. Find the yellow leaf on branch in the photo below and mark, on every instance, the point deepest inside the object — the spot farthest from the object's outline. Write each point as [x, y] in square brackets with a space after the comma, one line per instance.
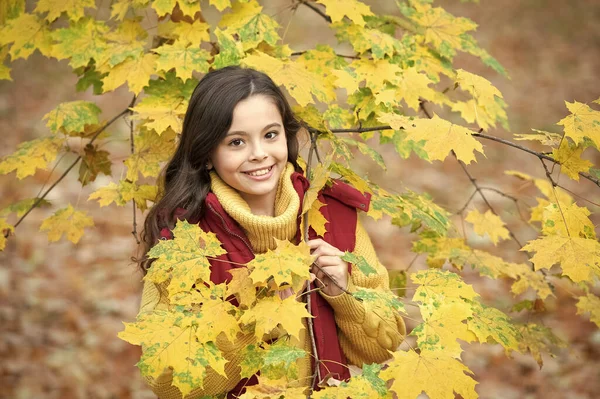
[80, 42]
[570, 159]
[583, 122]
[150, 151]
[578, 257]
[568, 219]
[184, 57]
[316, 220]
[4, 227]
[282, 263]
[26, 33]
[271, 311]
[73, 8]
[319, 179]
[590, 303]
[437, 374]
[440, 136]
[68, 221]
[488, 223]
[136, 72]
[31, 155]
[353, 9]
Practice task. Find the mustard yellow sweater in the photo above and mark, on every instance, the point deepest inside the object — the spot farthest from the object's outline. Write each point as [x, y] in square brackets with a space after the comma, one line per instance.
[365, 337]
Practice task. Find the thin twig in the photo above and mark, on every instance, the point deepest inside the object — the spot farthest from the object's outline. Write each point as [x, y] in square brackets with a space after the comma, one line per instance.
[94, 137]
[131, 138]
[315, 9]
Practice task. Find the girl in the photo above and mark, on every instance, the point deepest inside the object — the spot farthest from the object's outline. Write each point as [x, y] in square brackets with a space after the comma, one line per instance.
[235, 173]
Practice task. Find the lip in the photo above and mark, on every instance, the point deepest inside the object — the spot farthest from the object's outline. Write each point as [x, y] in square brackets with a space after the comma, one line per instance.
[261, 177]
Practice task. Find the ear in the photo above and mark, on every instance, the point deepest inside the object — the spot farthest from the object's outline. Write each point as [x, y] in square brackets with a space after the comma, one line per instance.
[209, 165]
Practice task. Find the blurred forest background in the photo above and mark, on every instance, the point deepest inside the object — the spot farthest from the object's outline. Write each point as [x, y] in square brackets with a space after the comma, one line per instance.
[61, 305]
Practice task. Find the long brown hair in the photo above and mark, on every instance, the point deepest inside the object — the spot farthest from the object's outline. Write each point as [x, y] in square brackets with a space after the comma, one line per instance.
[185, 180]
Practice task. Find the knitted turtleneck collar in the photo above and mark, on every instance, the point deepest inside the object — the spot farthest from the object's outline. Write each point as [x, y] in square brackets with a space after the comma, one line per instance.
[260, 229]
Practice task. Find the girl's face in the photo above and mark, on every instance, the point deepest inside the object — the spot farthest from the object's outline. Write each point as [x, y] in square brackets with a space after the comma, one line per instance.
[254, 153]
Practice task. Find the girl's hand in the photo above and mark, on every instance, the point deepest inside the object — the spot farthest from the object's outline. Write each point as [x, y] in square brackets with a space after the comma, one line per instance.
[328, 258]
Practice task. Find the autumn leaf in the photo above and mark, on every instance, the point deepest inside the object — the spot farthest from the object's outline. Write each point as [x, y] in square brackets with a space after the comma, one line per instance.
[301, 83]
[73, 8]
[135, 71]
[231, 52]
[546, 138]
[187, 33]
[282, 263]
[150, 151]
[451, 376]
[364, 386]
[22, 206]
[360, 263]
[241, 286]
[318, 180]
[353, 9]
[590, 303]
[537, 340]
[441, 284]
[569, 157]
[363, 39]
[567, 220]
[488, 223]
[316, 220]
[271, 389]
[184, 57]
[80, 42]
[72, 116]
[141, 194]
[184, 259]
[4, 228]
[68, 221]
[169, 339]
[581, 123]
[93, 162]
[31, 155]
[578, 257]
[384, 303]
[247, 22]
[272, 311]
[26, 33]
[487, 322]
[107, 195]
[440, 136]
[487, 106]
[279, 359]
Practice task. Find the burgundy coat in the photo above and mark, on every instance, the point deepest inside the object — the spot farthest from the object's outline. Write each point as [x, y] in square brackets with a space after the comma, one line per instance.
[341, 202]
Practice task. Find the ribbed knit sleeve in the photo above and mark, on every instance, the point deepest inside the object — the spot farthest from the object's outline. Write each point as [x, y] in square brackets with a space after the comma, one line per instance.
[214, 383]
[366, 337]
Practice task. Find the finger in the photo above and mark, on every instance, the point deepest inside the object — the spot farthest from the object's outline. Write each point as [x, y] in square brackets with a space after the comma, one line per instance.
[329, 260]
[312, 277]
[315, 243]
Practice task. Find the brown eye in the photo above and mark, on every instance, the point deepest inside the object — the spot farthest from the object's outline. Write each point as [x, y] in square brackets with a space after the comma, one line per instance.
[271, 135]
[236, 142]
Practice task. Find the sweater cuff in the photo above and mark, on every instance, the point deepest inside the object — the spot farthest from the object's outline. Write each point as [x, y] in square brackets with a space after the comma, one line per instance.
[345, 306]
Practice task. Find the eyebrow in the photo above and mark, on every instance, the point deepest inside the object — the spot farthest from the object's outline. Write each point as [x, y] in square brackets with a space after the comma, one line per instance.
[241, 132]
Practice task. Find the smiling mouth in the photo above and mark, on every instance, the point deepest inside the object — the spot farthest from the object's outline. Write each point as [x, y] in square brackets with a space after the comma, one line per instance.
[260, 172]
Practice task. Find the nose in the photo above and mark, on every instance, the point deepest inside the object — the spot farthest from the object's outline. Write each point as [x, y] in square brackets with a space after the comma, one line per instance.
[258, 153]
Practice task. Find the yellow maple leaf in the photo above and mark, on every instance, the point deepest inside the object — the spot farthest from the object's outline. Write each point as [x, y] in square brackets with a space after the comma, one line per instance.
[184, 57]
[570, 159]
[272, 311]
[527, 278]
[446, 286]
[140, 194]
[107, 195]
[488, 223]
[187, 33]
[346, 79]
[412, 85]
[316, 220]
[299, 81]
[546, 138]
[590, 303]
[440, 136]
[136, 72]
[72, 116]
[568, 219]
[282, 263]
[364, 39]
[220, 4]
[442, 326]
[4, 227]
[450, 375]
[241, 285]
[150, 150]
[73, 8]
[161, 114]
[578, 257]
[80, 42]
[487, 322]
[538, 339]
[377, 72]
[67, 221]
[163, 7]
[4, 70]
[183, 260]
[26, 33]
[487, 106]
[319, 179]
[31, 155]
[583, 122]
[441, 29]
[271, 389]
[169, 339]
[353, 9]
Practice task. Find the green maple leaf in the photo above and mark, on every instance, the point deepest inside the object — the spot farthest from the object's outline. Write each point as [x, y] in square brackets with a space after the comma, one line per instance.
[183, 260]
[20, 207]
[72, 116]
[359, 262]
[487, 322]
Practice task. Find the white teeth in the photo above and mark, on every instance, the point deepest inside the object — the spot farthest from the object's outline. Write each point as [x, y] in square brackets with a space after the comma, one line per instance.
[260, 172]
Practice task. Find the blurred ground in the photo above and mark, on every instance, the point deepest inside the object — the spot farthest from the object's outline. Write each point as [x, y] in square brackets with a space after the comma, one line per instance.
[61, 305]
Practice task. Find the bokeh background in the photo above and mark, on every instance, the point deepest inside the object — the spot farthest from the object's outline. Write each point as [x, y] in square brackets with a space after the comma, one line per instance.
[61, 305]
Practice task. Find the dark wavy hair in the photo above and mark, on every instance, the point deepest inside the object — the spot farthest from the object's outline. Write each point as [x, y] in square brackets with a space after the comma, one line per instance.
[185, 180]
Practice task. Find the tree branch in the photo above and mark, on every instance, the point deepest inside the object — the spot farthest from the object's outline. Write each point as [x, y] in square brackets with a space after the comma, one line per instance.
[94, 137]
[131, 138]
[315, 9]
